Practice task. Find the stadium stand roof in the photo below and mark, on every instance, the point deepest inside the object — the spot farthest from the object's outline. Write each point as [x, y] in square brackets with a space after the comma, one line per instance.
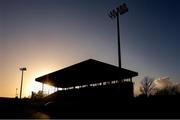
[86, 72]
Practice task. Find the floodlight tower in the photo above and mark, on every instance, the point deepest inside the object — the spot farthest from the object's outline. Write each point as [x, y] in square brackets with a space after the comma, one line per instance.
[22, 69]
[120, 10]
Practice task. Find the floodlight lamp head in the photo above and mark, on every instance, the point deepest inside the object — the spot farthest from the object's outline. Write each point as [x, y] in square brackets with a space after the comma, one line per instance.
[119, 10]
[123, 9]
[23, 69]
[124, 5]
[112, 14]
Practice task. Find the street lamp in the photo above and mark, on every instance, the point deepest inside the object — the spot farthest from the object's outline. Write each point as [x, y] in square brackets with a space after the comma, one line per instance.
[16, 93]
[22, 69]
[115, 14]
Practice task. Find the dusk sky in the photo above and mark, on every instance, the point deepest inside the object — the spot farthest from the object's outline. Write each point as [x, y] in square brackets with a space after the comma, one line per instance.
[48, 35]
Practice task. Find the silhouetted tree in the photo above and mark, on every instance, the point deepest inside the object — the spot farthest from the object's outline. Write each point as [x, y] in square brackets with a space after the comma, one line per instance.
[147, 86]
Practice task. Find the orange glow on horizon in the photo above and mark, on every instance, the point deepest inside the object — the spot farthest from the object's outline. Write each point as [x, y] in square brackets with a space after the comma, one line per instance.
[37, 86]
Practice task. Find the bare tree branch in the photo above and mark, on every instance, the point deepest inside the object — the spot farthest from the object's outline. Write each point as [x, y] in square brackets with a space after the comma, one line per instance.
[147, 86]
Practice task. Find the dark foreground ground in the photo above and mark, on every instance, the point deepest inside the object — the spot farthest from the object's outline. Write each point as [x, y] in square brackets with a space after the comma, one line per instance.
[156, 107]
[14, 108]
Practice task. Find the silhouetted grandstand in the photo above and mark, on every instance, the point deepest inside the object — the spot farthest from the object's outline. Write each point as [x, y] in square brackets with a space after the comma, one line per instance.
[90, 78]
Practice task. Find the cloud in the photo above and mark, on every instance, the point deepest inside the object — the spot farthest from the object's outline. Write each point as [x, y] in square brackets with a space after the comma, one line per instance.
[160, 84]
[163, 82]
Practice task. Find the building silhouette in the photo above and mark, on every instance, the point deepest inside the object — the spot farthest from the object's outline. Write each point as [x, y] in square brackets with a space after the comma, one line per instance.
[92, 78]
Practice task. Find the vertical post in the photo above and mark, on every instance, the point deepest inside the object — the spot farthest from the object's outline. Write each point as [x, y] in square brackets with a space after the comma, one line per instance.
[16, 92]
[119, 45]
[21, 84]
[42, 87]
[115, 13]
[22, 69]
[54, 89]
[131, 79]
